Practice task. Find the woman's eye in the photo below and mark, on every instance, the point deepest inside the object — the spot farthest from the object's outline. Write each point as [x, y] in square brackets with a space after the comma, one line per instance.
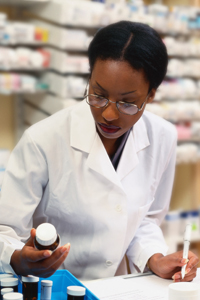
[98, 96]
[126, 104]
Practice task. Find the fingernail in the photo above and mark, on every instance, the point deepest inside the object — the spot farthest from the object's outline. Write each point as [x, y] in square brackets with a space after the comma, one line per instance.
[47, 253]
[184, 260]
[187, 270]
[176, 276]
[65, 248]
[177, 280]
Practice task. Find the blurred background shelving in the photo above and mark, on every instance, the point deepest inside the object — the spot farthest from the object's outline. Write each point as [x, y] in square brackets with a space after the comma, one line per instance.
[44, 68]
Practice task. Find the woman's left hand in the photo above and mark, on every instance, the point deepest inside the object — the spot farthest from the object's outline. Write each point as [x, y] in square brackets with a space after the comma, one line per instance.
[169, 266]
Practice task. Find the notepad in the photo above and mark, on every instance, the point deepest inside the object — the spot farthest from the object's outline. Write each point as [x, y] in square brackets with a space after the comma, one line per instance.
[141, 288]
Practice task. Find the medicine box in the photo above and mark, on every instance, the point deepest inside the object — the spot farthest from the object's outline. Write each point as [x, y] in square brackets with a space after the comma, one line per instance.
[61, 280]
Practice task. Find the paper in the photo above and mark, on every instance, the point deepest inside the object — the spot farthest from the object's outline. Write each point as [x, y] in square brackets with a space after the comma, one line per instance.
[149, 287]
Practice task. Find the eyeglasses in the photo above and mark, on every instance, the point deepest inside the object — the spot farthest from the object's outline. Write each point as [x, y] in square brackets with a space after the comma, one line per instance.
[123, 107]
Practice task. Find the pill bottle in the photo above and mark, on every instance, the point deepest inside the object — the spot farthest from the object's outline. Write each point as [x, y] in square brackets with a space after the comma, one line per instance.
[5, 291]
[30, 287]
[184, 291]
[2, 276]
[75, 293]
[6, 275]
[10, 283]
[46, 289]
[13, 296]
[46, 237]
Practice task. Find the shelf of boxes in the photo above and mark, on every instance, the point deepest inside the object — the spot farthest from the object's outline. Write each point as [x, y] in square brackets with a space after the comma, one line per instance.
[68, 86]
[64, 38]
[74, 13]
[64, 62]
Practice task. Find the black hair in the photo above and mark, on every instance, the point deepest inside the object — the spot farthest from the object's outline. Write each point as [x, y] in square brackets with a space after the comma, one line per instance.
[137, 43]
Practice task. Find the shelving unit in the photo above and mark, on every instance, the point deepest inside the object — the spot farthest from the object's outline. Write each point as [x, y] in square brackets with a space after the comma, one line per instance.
[63, 23]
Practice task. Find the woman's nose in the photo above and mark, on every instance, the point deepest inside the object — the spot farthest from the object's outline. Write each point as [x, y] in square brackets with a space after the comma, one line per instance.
[110, 112]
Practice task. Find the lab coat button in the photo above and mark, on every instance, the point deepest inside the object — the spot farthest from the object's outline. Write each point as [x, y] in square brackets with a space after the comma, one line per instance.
[109, 263]
[118, 208]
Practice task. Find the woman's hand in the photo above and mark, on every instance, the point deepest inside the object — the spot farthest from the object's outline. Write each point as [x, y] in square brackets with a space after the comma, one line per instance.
[42, 263]
[169, 266]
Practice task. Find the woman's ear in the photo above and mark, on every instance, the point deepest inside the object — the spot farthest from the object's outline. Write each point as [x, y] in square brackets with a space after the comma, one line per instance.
[151, 95]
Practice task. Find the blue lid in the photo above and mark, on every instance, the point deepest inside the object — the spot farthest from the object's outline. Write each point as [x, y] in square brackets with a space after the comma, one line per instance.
[185, 214]
[194, 213]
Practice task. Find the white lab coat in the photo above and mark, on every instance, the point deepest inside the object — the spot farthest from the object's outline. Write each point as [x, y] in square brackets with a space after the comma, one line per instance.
[60, 173]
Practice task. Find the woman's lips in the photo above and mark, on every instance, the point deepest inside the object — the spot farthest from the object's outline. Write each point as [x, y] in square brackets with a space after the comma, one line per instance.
[108, 128]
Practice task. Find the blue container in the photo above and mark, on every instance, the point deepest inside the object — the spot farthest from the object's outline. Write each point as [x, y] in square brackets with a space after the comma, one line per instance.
[61, 280]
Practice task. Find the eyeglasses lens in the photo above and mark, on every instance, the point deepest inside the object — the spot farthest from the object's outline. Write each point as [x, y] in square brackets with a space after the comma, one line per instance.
[99, 102]
[127, 108]
[96, 101]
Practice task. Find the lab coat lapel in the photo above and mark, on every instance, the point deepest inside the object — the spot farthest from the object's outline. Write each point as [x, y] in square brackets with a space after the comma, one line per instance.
[137, 140]
[100, 162]
[84, 137]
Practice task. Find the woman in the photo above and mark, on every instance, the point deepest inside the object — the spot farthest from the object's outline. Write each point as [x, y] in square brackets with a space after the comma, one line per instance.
[101, 173]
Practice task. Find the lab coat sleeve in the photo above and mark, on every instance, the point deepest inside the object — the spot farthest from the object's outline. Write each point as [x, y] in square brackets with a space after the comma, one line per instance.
[23, 184]
[149, 238]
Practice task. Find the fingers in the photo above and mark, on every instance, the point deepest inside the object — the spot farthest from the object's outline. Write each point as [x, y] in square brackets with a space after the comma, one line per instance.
[190, 274]
[61, 252]
[33, 255]
[191, 269]
[31, 239]
[51, 270]
[48, 266]
[193, 260]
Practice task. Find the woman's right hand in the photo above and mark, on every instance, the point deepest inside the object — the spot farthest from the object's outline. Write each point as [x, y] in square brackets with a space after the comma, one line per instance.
[42, 263]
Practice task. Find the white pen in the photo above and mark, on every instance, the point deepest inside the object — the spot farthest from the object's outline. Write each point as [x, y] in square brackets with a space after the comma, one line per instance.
[186, 245]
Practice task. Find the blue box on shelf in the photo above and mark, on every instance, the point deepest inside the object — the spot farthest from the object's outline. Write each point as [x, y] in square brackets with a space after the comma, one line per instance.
[61, 280]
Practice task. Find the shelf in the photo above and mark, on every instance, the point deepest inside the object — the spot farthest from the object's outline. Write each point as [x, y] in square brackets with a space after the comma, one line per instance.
[182, 76]
[24, 70]
[36, 93]
[192, 140]
[26, 44]
[23, 2]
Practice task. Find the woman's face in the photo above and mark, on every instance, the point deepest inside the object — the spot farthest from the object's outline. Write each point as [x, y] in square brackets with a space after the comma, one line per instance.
[117, 81]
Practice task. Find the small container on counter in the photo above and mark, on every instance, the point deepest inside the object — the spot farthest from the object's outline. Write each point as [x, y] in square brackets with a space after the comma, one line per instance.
[46, 289]
[5, 291]
[3, 276]
[10, 282]
[46, 237]
[75, 293]
[30, 287]
[6, 275]
[13, 296]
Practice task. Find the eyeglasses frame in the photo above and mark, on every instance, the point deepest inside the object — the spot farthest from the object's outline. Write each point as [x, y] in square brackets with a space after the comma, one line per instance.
[116, 102]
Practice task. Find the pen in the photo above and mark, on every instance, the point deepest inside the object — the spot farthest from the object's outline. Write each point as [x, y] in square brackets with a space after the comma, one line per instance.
[186, 245]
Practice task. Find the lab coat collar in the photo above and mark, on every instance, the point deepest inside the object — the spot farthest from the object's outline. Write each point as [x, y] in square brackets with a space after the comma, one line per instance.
[83, 129]
[84, 137]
